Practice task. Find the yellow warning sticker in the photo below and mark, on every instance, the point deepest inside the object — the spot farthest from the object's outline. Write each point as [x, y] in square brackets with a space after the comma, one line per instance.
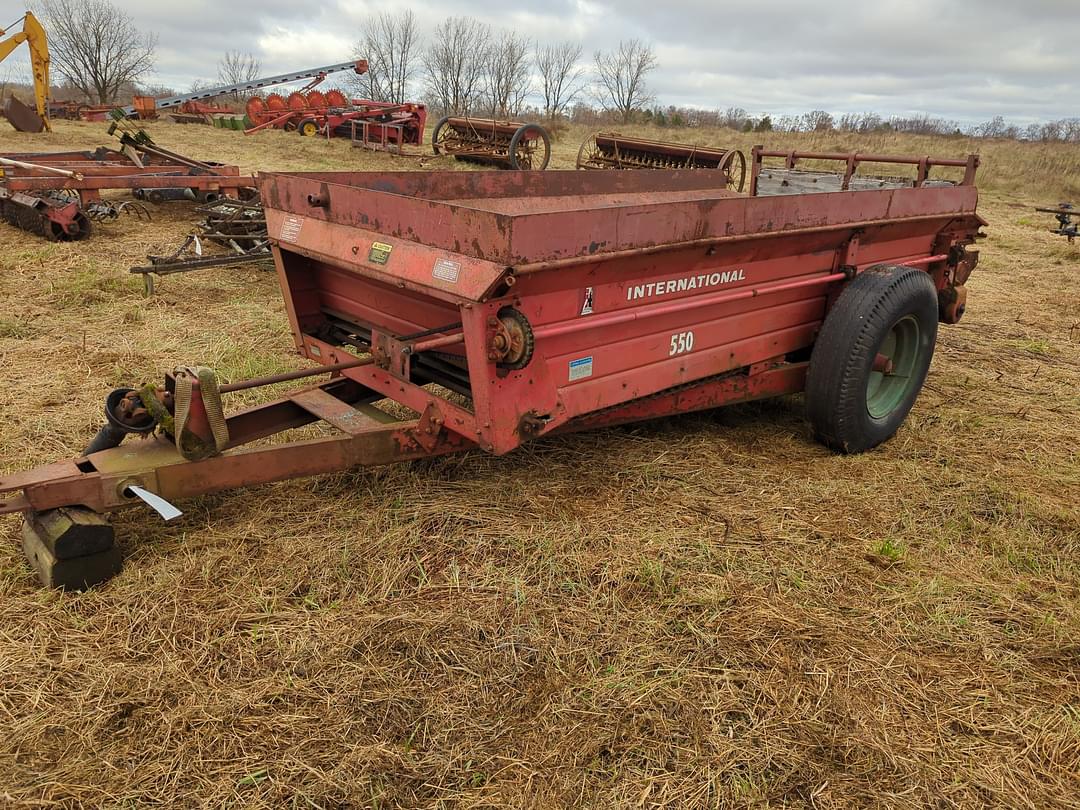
[379, 253]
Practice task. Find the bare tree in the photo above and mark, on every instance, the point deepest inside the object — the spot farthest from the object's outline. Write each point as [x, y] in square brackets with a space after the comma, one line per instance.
[817, 121]
[506, 74]
[235, 68]
[9, 81]
[560, 75]
[734, 118]
[455, 65]
[390, 43]
[96, 46]
[621, 77]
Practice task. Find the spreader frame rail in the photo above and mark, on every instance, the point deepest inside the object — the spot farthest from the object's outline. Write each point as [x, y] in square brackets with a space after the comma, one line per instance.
[852, 160]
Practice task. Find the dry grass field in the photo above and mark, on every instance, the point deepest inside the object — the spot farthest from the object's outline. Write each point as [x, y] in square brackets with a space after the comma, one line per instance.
[705, 611]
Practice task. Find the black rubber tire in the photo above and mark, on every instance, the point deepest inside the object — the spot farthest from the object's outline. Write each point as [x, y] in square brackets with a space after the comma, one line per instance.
[303, 125]
[435, 134]
[517, 138]
[843, 357]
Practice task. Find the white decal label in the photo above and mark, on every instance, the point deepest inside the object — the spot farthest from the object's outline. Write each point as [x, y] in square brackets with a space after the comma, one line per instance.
[586, 308]
[681, 343]
[654, 288]
[580, 368]
[290, 228]
[446, 270]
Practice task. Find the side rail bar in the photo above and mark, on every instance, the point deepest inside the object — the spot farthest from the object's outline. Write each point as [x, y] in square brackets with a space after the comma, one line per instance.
[853, 159]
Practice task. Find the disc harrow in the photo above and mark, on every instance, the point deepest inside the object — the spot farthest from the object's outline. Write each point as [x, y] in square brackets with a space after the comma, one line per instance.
[609, 150]
[56, 216]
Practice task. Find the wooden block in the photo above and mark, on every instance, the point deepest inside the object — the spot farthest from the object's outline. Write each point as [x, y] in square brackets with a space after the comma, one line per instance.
[72, 531]
[76, 573]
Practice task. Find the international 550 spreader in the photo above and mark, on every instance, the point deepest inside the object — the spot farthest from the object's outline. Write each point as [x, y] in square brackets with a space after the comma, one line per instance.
[500, 308]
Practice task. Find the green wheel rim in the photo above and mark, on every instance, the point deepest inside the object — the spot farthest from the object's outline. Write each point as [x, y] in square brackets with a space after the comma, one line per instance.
[885, 392]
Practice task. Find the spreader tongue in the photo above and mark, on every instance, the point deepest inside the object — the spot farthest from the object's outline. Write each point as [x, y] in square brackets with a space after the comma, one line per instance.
[155, 502]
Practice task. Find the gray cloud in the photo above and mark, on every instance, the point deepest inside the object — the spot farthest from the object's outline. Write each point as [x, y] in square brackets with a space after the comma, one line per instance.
[966, 59]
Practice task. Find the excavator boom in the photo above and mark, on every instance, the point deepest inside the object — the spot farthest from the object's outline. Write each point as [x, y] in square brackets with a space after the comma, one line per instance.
[33, 34]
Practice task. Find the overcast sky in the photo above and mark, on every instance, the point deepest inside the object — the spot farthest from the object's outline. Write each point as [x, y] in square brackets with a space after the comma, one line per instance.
[967, 60]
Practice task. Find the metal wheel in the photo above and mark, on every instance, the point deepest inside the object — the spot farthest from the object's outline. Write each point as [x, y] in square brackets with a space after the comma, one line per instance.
[256, 110]
[296, 100]
[892, 376]
[316, 99]
[275, 104]
[530, 148]
[734, 166]
[589, 154]
[442, 136]
[335, 98]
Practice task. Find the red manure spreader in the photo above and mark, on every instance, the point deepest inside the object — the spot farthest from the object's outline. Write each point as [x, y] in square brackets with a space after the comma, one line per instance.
[501, 308]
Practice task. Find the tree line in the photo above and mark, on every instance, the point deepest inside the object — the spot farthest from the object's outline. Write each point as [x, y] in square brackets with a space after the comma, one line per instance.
[1065, 130]
[470, 67]
[467, 66]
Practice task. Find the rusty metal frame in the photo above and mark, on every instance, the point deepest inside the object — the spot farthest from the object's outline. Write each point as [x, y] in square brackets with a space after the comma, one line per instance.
[414, 272]
[852, 160]
[111, 170]
[99, 481]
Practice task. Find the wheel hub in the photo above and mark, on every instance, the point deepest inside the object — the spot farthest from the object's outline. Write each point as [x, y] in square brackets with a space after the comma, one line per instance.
[891, 377]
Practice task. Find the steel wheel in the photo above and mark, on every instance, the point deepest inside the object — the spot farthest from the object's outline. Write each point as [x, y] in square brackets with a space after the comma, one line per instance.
[530, 148]
[734, 166]
[256, 110]
[589, 154]
[444, 137]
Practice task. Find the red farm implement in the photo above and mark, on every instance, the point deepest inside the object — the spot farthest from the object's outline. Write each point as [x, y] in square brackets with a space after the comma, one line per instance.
[503, 308]
[331, 114]
[506, 144]
[609, 150]
[51, 194]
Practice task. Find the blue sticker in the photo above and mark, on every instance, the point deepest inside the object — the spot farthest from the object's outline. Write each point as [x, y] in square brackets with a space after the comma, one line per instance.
[580, 368]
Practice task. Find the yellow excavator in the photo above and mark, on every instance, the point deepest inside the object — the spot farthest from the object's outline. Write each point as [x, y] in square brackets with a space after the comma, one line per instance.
[34, 36]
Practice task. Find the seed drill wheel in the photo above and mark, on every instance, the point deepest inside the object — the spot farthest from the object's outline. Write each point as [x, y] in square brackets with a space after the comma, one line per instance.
[308, 128]
[734, 166]
[871, 357]
[445, 138]
[589, 155]
[530, 148]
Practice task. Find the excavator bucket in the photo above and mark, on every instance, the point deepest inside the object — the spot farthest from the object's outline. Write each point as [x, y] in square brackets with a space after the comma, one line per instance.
[22, 117]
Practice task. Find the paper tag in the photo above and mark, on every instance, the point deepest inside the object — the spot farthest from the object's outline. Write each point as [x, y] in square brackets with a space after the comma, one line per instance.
[446, 270]
[580, 368]
[290, 228]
